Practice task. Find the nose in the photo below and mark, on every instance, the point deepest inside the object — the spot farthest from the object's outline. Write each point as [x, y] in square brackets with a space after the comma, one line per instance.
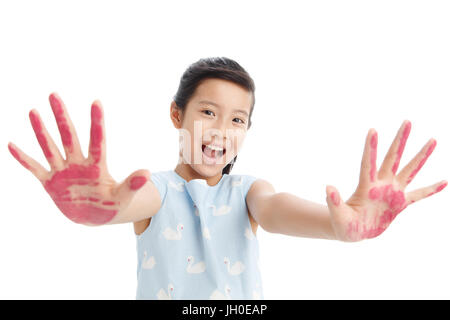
[218, 131]
[222, 126]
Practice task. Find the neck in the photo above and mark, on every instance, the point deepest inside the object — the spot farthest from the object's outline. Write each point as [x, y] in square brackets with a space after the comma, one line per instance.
[187, 173]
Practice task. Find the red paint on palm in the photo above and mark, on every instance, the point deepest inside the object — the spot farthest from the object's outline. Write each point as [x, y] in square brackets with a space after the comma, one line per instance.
[84, 210]
[86, 213]
[390, 203]
[365, 232]
[394, 199]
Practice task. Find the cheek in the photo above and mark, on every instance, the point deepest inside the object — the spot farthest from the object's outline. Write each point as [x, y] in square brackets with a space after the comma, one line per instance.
[185, 138]
[235, 140]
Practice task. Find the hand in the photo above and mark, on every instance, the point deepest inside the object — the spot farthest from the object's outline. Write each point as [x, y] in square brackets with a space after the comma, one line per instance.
[380, 195]
[81, 188]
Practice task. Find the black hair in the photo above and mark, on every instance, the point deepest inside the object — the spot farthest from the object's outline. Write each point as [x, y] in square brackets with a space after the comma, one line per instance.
[214, 67]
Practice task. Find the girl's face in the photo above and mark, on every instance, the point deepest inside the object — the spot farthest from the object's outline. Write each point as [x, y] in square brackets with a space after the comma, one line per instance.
[216, 116]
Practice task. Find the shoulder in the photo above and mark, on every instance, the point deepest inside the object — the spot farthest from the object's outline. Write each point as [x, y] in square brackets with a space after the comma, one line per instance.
[258, 200]
[162, 174]
[251, 185]
[165, 175]
[160, 179]
[260, 187]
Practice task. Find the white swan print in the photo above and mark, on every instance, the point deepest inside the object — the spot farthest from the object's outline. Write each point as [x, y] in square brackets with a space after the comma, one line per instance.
[162, 295]
[222, 210]
[217, 295]
[179, 186]
[206, 233]
[237, 268]
[249, 233]
[236, 182]
[199, 267]
[148, 263]
[170, 234]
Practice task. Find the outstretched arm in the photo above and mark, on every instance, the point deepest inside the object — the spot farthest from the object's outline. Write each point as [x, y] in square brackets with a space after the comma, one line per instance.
[288, 214]
[82, 188]
[378, 199]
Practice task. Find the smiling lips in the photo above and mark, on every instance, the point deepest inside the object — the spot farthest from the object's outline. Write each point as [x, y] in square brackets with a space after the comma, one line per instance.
[213, 151]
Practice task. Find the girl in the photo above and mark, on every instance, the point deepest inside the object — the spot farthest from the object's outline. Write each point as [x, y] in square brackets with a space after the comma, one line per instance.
[196, 225]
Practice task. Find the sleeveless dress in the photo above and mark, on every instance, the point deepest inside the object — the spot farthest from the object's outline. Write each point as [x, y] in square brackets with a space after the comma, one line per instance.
[200, 244]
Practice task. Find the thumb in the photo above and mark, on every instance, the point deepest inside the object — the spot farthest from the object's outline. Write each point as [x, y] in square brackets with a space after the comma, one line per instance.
[135, 181]
[333, 198]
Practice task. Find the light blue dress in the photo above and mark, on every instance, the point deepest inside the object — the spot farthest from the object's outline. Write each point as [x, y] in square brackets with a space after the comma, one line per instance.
[200, 244]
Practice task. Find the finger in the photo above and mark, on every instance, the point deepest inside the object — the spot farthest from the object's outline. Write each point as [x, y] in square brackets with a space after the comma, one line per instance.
[48, 146]
[421, 193]
[335, 203]
[134, 182]
[346, 229]
[412, 168]
[333, 197]
[29, 163]
[97, 145]
[390, 163]
[67, 131]
[369, 160]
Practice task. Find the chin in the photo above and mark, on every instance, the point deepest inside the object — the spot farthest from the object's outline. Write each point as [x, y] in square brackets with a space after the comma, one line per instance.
[208, 170]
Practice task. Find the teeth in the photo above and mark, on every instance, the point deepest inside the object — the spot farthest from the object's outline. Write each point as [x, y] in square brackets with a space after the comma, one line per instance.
[218, 150]
[215, 148]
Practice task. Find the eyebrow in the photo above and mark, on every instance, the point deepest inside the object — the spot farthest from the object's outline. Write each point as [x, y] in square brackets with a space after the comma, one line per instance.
[218, 106]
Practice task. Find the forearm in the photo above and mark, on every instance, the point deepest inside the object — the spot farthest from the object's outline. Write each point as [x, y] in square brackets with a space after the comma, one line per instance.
[143, 205]
[288, 214]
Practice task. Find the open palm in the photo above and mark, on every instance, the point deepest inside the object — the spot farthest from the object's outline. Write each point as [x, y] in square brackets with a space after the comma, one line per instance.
[380, 195]
[81, 187]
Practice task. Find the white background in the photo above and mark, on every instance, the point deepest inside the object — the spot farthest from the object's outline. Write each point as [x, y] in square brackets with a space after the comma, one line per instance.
[325, 72]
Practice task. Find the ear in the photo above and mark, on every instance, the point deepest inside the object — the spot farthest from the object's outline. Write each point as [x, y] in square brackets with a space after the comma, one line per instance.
[176, 115]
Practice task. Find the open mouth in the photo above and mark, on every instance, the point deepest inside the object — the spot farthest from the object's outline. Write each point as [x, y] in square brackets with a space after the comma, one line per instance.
[213, 152]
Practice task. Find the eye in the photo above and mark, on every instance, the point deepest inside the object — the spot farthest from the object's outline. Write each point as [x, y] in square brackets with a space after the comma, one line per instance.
[208, 111]
[241, 121]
